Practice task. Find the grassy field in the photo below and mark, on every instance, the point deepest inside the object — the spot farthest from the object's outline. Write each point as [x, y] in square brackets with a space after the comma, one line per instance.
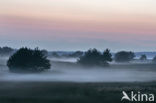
[69, 92]
[63, 92]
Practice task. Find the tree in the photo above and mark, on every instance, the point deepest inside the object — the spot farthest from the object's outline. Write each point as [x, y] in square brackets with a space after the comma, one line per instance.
[91, 57]
[107, 56]
[28, 60]
[143, 57]
[124, 56]
[95, 57]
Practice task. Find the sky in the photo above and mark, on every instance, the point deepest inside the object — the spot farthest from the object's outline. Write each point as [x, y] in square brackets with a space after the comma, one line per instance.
[79, 24]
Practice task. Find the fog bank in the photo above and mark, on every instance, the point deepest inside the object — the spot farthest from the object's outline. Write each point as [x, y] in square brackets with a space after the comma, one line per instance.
[66, 72]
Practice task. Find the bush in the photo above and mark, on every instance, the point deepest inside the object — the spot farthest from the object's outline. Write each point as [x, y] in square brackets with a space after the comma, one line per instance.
[28, 60]
[94, 57]
[124, 56]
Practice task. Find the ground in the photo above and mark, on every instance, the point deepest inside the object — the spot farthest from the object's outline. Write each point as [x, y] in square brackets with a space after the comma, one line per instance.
[67, 92]
[73, 88]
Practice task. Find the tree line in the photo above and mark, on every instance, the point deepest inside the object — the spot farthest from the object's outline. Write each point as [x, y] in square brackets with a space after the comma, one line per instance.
[4, 51]
[26, 59]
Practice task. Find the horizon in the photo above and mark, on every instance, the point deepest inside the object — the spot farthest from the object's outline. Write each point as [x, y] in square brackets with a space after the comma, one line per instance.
[78, 50]
[79, 25]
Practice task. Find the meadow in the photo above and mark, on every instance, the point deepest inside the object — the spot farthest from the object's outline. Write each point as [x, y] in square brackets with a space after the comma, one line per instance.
[68, 82]
[68, 92]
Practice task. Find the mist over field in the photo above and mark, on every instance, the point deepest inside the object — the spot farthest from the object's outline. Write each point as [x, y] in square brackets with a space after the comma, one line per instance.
[76, 77]
[69, 71]
[77, 51]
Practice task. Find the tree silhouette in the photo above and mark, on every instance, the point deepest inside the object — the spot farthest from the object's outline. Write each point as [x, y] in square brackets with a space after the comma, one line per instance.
[28, 60]
[143, 57]
[107, 56]
[94, 57]
[124, 56]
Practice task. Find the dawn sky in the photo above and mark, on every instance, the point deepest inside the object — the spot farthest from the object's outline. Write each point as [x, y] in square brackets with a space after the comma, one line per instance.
[79, 24]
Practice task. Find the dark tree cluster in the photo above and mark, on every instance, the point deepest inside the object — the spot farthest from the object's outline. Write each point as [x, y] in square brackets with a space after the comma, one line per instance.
[67, 55]
[124, 56]
[28, 60]
[76, 54]
[95, 57]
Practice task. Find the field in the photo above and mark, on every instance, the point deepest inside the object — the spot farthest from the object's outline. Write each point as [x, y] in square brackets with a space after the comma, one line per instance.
[72, 83]
[60, 92]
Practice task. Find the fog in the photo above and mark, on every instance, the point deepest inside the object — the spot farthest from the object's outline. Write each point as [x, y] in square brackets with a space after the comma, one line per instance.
[70, 72]
[63, 59]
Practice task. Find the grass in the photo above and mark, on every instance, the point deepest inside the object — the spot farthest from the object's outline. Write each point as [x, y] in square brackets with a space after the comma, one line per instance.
[63, 92]
[67, 92]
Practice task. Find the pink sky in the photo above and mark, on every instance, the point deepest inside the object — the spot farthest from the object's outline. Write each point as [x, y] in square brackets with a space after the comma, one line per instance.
[116, 24]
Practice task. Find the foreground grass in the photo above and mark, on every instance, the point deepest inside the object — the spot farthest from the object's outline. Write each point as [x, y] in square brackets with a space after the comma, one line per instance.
[59, 92]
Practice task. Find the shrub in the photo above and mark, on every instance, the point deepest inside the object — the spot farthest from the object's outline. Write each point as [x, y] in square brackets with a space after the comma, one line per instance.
[124, 56]
[28, 60]
[95, 57]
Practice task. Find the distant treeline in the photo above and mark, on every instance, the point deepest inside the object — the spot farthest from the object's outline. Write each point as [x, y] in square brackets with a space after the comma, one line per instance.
[121, 56]
[26, 59]
[5, 51]
[95, 57]
[60, 54]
